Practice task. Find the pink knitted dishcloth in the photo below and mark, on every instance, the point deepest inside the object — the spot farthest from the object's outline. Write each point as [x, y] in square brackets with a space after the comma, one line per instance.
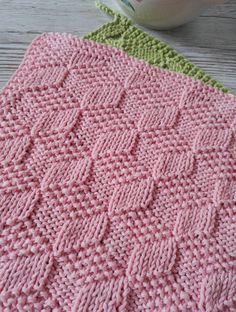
[117, 185]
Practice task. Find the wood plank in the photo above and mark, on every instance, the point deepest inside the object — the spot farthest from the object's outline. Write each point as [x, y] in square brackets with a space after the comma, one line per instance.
[209, 41]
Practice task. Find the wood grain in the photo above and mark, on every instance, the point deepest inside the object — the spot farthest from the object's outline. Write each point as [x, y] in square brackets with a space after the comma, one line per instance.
[209, 41]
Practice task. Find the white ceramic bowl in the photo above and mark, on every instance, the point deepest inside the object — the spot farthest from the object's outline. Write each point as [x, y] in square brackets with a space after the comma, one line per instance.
[164, 14]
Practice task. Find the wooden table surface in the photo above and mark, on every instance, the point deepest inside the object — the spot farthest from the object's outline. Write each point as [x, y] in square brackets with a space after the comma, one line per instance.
[209, 41]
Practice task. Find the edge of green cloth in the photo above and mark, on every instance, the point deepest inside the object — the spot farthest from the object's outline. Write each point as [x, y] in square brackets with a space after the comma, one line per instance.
[121, 33]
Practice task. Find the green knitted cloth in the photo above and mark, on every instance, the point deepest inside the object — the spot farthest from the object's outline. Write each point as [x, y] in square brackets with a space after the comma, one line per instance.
[122, 34]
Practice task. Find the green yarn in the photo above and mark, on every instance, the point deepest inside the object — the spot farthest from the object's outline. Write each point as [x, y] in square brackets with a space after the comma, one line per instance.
[122, 34]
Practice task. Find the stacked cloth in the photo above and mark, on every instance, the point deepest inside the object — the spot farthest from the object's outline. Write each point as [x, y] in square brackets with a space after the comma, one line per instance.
[122, 34]
[117, 185]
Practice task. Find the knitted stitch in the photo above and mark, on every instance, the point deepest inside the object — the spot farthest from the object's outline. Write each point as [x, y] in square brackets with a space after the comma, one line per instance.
[117, 185]
[121, 33]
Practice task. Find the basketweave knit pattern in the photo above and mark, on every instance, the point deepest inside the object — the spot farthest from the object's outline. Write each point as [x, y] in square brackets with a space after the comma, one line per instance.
[122, 34]
[117, 184]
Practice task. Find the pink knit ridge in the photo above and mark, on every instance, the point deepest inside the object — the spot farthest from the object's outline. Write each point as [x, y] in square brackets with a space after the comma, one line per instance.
[117, 185]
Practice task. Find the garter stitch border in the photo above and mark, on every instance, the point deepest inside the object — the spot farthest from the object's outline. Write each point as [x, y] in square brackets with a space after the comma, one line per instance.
[117, 185]
[121, 33]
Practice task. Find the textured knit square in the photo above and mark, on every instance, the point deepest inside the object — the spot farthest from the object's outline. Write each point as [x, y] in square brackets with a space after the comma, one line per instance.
[117, 185]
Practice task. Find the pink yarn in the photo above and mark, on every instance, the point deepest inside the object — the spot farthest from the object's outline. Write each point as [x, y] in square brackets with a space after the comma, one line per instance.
[117, 185]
